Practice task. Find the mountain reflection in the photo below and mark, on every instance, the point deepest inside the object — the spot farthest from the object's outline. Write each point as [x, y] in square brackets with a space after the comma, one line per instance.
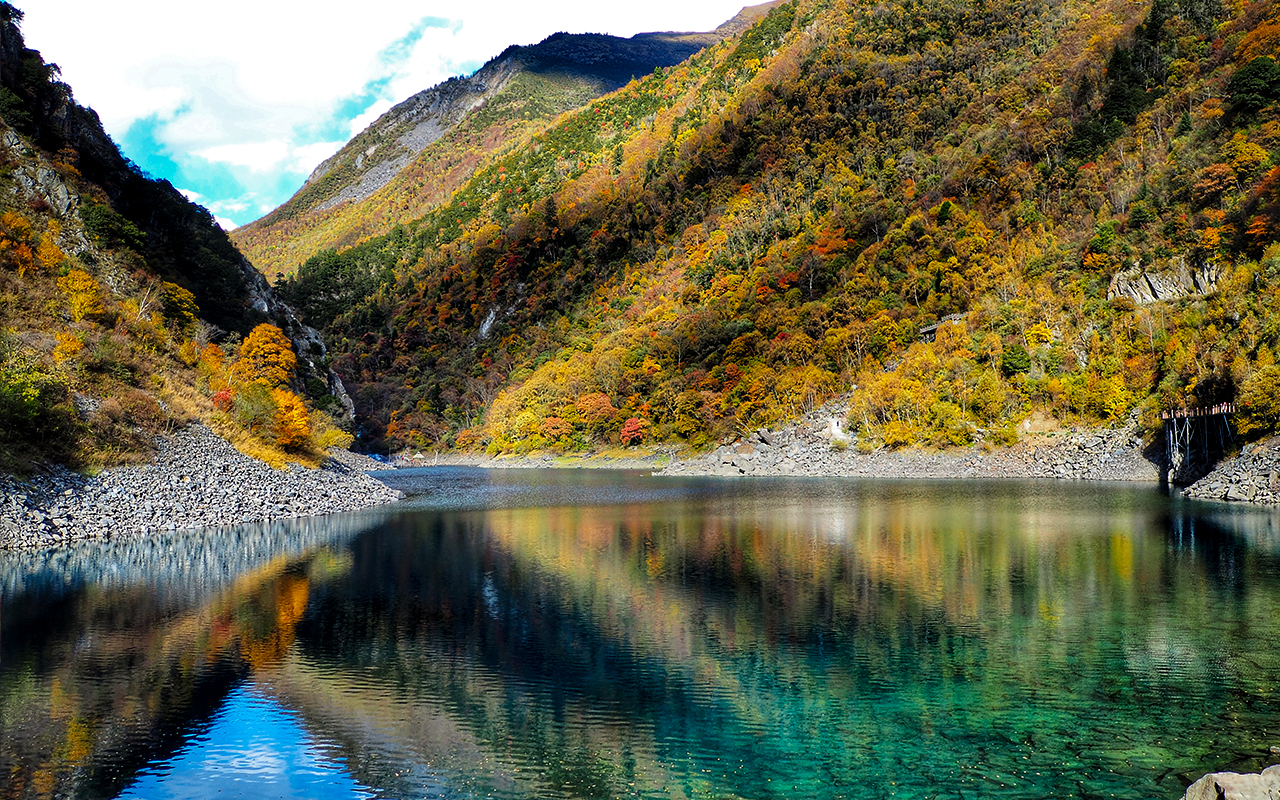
[140, 640]
[782, 639]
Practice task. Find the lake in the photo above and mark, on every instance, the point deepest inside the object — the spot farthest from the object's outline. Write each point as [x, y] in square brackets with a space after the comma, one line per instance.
[584, 634]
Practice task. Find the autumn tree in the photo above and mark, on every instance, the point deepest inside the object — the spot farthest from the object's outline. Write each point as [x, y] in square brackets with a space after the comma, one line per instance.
[291, 426]
[83, 293]
[1260, 400]
[597, 410]
[266, 356]
[179, 305]
[48, 254]
[633, 431]
[15, 242]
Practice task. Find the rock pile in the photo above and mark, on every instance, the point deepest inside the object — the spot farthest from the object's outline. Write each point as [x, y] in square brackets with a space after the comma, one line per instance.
[358, 461]
[1234, 786]
[196, 480]
[1251, 477]
[814, 446]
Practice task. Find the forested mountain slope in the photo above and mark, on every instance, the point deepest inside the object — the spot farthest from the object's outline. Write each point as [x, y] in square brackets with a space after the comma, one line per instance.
[1083, 194]
[414, 156]
[122, 304]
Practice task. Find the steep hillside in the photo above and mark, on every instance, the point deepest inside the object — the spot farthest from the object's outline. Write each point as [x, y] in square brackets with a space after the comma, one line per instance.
[964, 213]
[120, 300]
[415, 155]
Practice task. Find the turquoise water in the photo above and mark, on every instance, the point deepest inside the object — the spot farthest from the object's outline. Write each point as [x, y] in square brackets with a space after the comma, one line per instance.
[582, 634]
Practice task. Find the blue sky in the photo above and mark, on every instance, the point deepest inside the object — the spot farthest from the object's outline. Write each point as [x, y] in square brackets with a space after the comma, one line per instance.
[236, 103]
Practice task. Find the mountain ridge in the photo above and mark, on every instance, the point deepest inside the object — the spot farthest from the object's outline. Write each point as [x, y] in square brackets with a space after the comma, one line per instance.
[564, 71]
[935, 207]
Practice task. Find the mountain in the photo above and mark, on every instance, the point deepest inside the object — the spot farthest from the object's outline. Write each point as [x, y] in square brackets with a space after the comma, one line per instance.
[967, 215]
[122, 304]
[413, 157]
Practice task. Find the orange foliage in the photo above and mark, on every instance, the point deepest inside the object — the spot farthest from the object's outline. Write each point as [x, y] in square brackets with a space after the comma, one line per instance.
[15, 242]
[266, 356]
[292, 426]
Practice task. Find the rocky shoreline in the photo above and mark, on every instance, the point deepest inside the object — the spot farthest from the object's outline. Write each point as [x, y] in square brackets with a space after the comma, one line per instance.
[643, 459]
[1251, 477]
[815, 446]
[196, 480]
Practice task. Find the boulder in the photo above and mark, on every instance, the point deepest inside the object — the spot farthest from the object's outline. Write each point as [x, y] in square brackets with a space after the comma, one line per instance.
[1234, 786]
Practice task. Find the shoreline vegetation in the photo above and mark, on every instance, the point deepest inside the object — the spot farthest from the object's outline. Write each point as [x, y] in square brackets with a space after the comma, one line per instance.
[199, 480]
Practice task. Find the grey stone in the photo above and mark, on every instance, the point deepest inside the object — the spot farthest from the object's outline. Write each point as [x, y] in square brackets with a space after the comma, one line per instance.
[1235, 786]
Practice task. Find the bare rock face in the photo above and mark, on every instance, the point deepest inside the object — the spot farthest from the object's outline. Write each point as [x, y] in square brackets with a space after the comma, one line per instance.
[1234, 786]
[1180, 279]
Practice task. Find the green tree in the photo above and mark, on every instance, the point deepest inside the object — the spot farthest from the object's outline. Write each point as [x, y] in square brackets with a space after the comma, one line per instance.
[255, 407]
[1255, 86]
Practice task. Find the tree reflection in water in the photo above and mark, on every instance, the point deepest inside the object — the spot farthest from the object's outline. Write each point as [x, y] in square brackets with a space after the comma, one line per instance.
[771, 639]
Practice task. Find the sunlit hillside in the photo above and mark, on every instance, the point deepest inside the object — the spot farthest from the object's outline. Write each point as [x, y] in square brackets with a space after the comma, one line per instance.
[412, 158]
[1081, 194]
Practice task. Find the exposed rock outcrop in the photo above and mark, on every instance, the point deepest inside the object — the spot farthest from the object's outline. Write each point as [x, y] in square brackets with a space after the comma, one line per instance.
[1179, 279]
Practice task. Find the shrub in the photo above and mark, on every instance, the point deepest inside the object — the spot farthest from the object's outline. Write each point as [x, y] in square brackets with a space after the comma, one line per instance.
[1260, 401]
[255, 408]
[26, 390]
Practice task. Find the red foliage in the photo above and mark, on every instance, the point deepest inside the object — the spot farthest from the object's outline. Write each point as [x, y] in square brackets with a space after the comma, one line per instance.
[222, 400]
[633, 431]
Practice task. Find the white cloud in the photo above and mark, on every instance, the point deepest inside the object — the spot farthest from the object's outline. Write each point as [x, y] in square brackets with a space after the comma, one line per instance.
[307, 157]
[366, 119]
[262, 85]
[260, 156]
[225, 224]
[232, 206]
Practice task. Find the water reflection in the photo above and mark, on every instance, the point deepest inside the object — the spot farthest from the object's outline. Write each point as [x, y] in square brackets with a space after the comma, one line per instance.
[612, 635]
[111, 654]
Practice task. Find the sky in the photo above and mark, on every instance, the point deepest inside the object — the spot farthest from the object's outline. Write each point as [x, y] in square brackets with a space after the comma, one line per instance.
[236, 102]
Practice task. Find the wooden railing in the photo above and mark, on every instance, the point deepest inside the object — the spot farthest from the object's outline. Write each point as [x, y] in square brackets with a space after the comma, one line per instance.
[1202, 411]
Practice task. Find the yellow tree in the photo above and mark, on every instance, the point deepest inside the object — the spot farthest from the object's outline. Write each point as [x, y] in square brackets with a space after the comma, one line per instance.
[84, 295]
[48, 253]
[266, 356]
[292, 424]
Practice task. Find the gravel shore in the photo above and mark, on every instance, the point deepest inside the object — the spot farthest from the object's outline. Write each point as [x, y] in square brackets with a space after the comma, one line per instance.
[196, 480]
[807, 448]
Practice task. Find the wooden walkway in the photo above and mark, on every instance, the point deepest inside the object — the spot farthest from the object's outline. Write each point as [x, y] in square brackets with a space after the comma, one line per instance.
[1195, 438]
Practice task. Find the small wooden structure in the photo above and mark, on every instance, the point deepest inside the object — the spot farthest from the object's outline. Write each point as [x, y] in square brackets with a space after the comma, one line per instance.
[929, 333]
[1196, 438]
